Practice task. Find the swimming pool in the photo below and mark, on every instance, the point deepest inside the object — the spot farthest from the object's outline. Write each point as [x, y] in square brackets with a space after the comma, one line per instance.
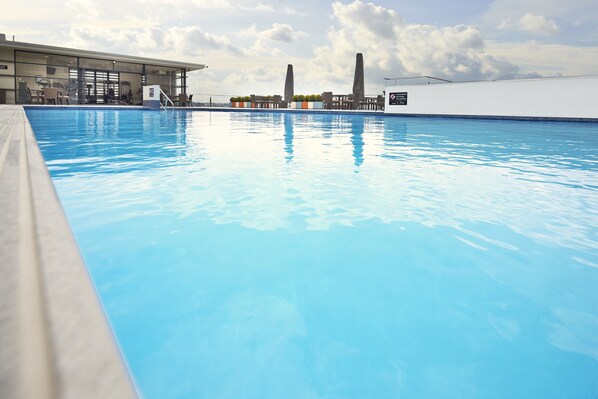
[267, 255]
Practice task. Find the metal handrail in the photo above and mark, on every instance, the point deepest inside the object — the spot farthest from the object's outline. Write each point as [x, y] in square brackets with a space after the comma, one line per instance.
[387, 80]
[166, 101]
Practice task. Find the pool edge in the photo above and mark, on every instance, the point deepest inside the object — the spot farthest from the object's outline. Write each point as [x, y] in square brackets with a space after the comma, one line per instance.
[56, 341]
[322, 112]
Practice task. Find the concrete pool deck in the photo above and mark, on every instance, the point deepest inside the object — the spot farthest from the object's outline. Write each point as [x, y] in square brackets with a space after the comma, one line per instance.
[55, 341]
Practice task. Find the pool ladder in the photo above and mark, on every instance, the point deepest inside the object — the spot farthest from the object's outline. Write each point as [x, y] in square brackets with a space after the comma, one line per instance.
[166, 101]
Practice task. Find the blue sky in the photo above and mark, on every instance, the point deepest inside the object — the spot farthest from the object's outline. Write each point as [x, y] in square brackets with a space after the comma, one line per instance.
[248, 43]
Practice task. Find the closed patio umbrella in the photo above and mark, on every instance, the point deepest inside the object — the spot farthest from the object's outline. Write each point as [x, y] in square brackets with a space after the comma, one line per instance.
[358, 84]
[289, 85]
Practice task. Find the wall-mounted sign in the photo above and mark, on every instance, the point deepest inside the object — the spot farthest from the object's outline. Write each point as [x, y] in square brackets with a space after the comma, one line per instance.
[397, 98]
[3, 66]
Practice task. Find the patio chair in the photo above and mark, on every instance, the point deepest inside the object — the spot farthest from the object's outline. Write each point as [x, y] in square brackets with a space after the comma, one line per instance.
[183, 100]
[34, 97]
[62, 97]
[348, 102]
[331, 101]
[50, 94]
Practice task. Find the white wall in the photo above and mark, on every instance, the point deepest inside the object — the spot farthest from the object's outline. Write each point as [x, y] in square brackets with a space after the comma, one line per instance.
[572, 97]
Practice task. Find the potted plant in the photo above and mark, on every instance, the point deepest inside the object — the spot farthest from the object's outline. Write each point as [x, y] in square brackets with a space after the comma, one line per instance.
[311, 101]
[240, 102]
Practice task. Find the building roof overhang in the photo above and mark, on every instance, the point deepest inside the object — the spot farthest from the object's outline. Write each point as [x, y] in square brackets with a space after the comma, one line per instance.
[42, 48]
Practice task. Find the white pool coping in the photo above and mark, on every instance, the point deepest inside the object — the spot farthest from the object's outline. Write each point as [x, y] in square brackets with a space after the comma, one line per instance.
[55, 340]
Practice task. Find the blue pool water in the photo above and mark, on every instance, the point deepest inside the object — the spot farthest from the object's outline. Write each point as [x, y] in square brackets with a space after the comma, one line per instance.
[265, 255]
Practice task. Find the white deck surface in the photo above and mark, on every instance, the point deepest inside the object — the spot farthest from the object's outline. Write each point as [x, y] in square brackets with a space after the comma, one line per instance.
[55, 341]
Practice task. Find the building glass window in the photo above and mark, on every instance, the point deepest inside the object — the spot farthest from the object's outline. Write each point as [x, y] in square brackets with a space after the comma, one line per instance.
[47, 71]
[92, 63]
[128, 67]
[35, 71]
[45, 59]
[168, 78]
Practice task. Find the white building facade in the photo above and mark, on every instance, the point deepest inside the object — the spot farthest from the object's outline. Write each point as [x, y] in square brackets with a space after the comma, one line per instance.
[544, 98]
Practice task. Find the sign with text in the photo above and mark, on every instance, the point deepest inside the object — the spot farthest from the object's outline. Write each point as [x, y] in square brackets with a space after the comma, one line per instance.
[3, 66]
[397, 98]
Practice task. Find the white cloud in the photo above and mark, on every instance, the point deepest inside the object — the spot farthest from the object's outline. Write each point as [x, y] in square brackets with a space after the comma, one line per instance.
[190, 5]
[538, 24]
[267, 39]
[544, 17]
[548, 59]
[292, 11]
[393, 48]
[84, 9]
[503, 9]
[367, 18]
[259, 7]
[202, 4]
[278, 32]
[531, 23]
[196, 4]
[189, 40]
[258, 74]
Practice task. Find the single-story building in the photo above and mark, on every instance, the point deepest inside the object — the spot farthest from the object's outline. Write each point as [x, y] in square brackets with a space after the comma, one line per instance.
[84, 76]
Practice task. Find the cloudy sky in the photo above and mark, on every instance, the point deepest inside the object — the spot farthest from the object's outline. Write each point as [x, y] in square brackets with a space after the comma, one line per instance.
[248, 43]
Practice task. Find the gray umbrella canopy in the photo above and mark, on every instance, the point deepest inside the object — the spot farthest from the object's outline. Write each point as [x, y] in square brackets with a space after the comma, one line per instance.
[358, 84]
[289, 85]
